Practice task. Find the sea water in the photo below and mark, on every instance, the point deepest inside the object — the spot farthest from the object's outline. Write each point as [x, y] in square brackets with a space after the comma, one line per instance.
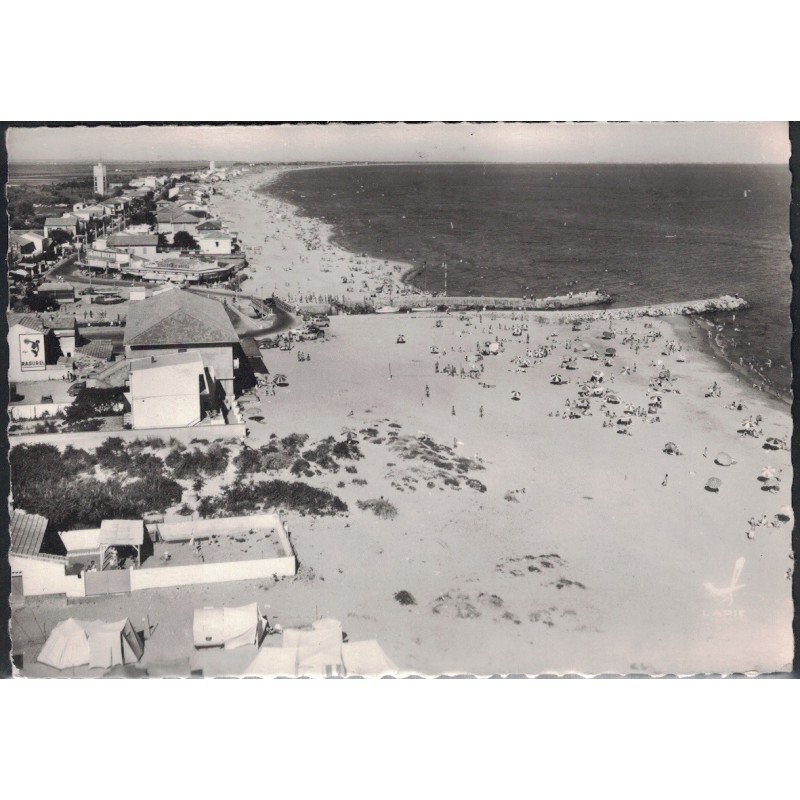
[643, 233]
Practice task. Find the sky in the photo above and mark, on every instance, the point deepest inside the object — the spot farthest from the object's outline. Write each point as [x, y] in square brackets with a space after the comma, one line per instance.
[681, 142]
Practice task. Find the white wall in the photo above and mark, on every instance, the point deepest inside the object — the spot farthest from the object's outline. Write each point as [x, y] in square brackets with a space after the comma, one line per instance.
[160, 577]
[220, 246]
[45, 576]
[166, 412]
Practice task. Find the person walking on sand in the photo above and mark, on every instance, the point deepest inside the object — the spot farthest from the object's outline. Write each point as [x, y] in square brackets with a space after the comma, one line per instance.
[427, 390]
[481, 412]
[664, 482]
[453, 410]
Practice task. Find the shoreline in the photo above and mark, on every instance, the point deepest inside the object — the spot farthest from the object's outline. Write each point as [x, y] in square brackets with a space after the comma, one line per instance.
[331, 235]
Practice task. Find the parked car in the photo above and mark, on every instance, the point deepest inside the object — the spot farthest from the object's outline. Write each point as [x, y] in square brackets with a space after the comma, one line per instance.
[88, 291]
[108, 300]
[75, 389]
[268, 344]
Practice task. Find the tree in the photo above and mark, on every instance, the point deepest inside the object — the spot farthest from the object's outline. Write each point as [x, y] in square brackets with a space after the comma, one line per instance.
[60, 237]
[185, 241]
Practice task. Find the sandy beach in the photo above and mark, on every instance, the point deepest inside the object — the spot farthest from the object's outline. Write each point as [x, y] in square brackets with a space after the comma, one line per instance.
[645, 552]
[538, 534]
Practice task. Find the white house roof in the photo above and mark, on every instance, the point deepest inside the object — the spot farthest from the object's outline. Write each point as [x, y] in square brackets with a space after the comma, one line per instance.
[86, 539]
[121, 531]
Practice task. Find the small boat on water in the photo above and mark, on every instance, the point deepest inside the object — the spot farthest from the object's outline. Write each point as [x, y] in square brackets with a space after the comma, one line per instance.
[386, 310]
[422, 308]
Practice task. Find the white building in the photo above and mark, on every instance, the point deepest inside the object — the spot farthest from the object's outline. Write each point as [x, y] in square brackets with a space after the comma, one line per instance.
[215, 242]
[100, 181]
[165, 391]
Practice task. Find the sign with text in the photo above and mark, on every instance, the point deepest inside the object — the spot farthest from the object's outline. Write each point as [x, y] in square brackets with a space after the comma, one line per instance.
[31, 351]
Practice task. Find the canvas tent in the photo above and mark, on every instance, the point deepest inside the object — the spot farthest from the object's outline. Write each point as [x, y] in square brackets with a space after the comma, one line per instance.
[228, 627]
[320, 652]
[366, 658]
[76, 643]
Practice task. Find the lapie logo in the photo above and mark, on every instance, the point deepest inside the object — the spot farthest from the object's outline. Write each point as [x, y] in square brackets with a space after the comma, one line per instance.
[725, 594]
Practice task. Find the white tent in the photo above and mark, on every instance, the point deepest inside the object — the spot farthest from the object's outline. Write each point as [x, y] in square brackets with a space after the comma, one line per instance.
[227, 627]
[319, 652]
[75, 643]
[67, 646]
[274, 661]
[366, 658]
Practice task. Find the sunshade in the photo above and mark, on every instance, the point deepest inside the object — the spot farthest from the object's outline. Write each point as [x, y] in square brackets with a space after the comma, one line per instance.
[723, 459]
[713, 484]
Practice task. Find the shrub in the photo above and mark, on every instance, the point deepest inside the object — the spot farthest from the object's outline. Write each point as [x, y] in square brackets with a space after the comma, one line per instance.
[405, 598]
[360, 481]
[352, 470]
[348, 449]
[86, 425]
[241, 498]
[381, 508]
[113, 455]
[300, 466]
[293, 442]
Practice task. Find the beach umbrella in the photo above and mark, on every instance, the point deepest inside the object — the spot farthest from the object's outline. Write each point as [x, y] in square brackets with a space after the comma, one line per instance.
[494, 348]
[670, 448]
[773, 443]
[713, 484]
[597, 375]
[280, 380]
[771, 485]
[785, 514]
[582, 346]
[556, 380]
[515, 395]
[611, 351]
[767, 473]
[612, 398]
[746, 425]
[723, 459]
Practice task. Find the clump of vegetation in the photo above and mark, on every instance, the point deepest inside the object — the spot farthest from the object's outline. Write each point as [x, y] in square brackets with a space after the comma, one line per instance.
[300, 467]
[92, 403]
[381, 508]
[511, 497]
[241, 498]
[360, 481]
[293, 442]
[405, 598]
[476, 485]
[70, 497]
[351, 469]
[196, 462]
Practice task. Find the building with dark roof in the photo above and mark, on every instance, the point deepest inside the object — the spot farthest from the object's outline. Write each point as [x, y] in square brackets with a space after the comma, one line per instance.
[178, 321]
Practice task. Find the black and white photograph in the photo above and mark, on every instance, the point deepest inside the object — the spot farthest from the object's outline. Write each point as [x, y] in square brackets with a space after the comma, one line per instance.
[393, 399]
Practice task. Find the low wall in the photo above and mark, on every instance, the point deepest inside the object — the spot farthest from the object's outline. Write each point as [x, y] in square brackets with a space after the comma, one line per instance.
[162, 577]
[96, 438]
[45, 575]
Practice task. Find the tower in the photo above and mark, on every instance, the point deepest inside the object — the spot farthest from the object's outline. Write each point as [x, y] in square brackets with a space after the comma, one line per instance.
[100, 185]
